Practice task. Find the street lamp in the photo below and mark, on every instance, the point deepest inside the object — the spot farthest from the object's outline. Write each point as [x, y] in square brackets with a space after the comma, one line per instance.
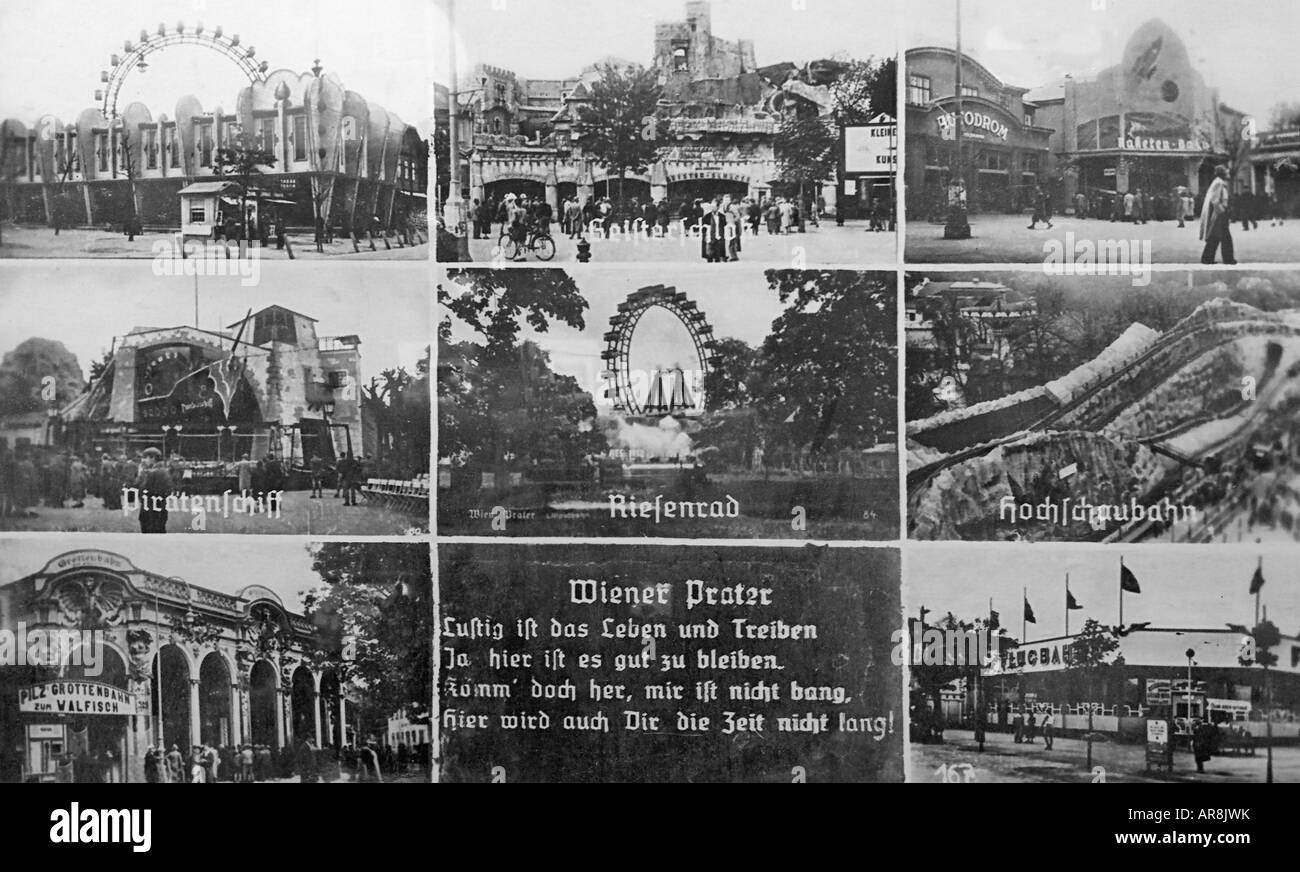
[1190, 653]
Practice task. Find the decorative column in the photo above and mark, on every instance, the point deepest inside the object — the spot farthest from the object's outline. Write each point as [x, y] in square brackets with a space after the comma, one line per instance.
[279, 718]
[315, 714]
[196, 733]
[343, 720]
[236, 722]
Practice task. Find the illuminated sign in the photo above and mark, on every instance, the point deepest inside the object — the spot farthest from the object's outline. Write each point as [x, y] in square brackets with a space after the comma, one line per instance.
[873, 147]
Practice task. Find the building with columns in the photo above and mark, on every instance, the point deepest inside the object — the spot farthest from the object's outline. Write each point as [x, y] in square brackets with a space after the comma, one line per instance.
[174, 664]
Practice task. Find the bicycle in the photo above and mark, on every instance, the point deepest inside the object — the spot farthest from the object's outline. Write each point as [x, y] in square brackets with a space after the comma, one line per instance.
[539, 243]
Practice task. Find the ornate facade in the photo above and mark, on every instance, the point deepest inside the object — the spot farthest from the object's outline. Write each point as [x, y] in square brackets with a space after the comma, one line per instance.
[182, 665]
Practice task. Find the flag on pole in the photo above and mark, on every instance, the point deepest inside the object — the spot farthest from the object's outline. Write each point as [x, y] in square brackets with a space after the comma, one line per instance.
[1127, 580]
[1029, 613]
[1257, 580]
[1070, 601]
[994, 620]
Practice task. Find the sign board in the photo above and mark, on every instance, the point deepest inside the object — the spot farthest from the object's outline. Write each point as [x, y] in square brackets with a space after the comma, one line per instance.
[1160, 752]
[76, 698]
[44, 731]
[1158, 691]
[871, 149]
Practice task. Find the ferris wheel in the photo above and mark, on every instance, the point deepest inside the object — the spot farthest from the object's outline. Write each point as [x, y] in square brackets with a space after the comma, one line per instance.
[618, 346]
[136, 54]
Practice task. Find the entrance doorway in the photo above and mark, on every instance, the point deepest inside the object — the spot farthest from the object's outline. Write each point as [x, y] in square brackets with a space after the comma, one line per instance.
[214, 700]
[171, 683]
[261, 705]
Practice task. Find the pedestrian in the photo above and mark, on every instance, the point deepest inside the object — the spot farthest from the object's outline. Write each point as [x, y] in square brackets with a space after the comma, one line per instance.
[244, 471]
[155, 487]
[1049, 729]
[1215, 229]
[246, 764]
[175, 765]
[1018, 727]
[305, 762]
[317, 476]
[1030, 723]
[198, 774]
[1202, 743]
[77, 476]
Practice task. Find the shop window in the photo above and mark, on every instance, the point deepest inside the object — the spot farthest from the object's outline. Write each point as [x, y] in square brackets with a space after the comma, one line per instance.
[918, 89]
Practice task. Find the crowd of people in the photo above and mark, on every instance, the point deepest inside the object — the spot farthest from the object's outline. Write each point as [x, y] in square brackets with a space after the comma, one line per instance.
[210, 764]
[721, 221]
[33, 476]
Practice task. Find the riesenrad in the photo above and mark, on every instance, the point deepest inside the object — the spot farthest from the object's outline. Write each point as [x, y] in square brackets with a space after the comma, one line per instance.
[658, 400]
[135, 57]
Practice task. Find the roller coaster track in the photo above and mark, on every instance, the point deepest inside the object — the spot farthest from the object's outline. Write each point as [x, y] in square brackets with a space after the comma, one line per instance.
[1188, 328]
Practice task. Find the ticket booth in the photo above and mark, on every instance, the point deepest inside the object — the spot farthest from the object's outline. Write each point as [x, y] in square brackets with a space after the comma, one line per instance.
[205, 206]
[45, 745]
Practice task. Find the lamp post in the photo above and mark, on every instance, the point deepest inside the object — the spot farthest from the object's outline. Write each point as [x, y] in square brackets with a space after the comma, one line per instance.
[957, 227]
[1190, 653]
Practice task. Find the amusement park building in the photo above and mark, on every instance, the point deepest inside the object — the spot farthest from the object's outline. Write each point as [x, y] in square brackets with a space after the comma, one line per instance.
[179, 665]
[280, 389]
[336, 153]
[1149, 121]
[1150, 682]
[719, 111]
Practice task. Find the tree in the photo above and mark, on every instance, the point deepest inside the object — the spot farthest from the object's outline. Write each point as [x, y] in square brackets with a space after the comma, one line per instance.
[805, 149]
[243, 158]
[731, 380]
[1284, 115]
[494, 406]
[374, 621]
[829, 363]
[24, 369]
[492, 303]
[1090, 652]
[865, 90]
[398, 404]
[618, 124]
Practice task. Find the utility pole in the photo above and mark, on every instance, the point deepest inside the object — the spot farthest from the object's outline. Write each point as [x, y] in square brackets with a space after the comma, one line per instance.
[453, 213]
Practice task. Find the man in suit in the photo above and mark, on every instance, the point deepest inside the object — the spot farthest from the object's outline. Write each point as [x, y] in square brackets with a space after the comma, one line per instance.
[1215, 229]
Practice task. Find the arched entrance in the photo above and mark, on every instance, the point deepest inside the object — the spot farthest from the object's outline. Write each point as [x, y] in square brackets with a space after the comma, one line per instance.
[98, 743]
[261, 704]
[689, 190]
[214, 700]
[496, 191]
[303, 704]
[631, 188]
[172, 697]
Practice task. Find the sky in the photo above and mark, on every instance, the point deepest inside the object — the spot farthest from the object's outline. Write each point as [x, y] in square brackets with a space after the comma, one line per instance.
[224, 563]
[85, 303]
[551, 39]
[737, 303]
[51, 62]
[1241, 48]
[1182, 586]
